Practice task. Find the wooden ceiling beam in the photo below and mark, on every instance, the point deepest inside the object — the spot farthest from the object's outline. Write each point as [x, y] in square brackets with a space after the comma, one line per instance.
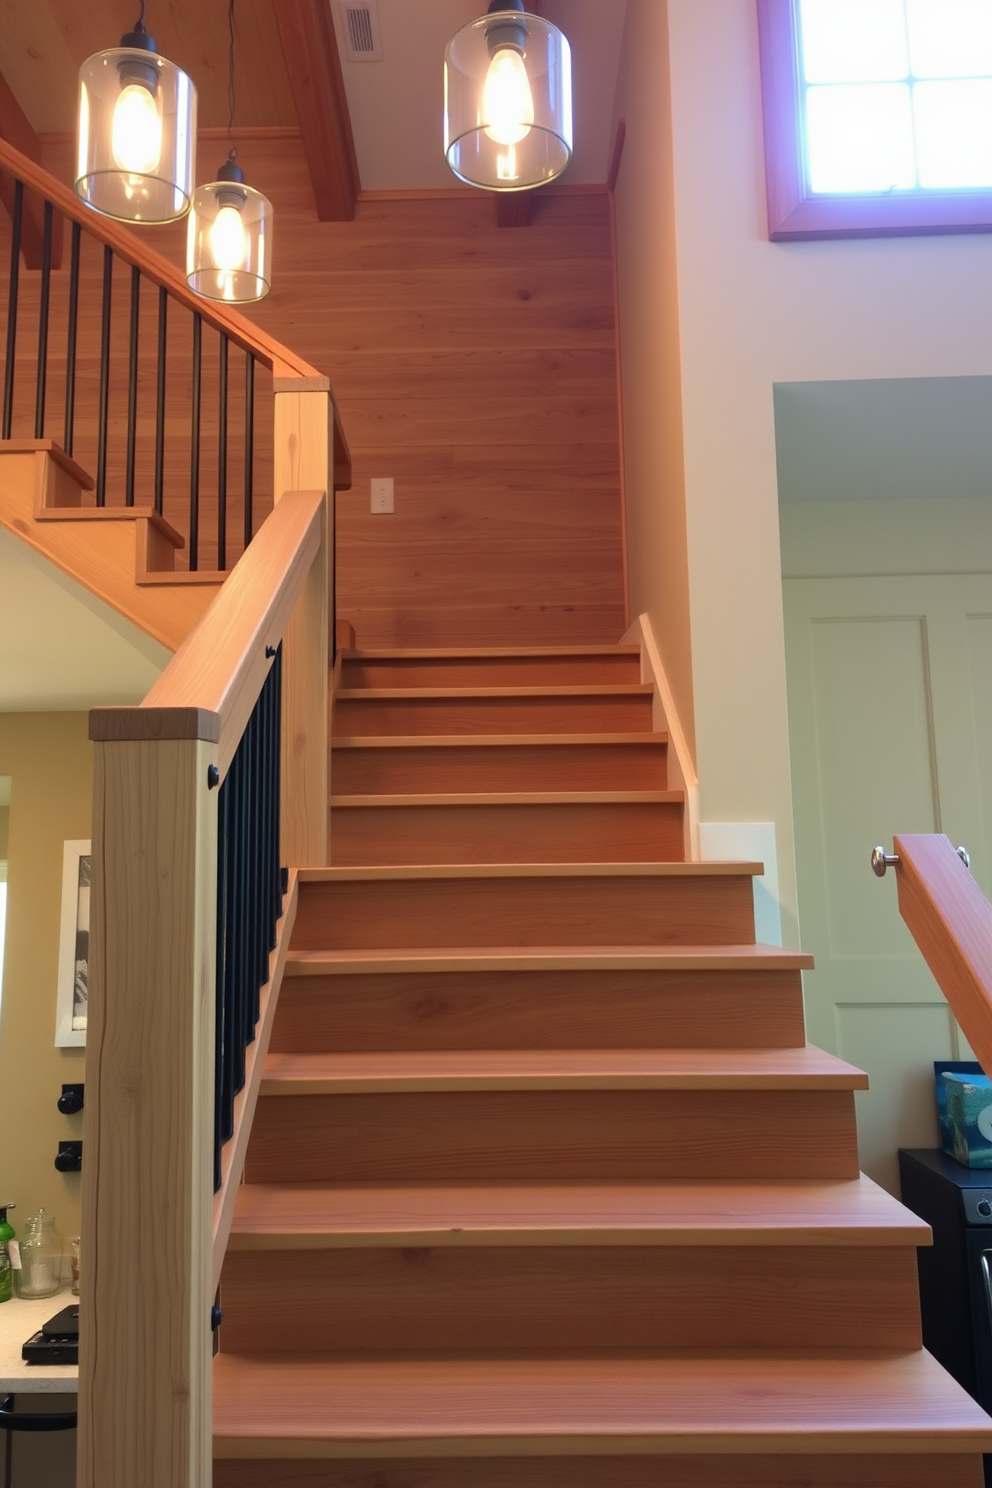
[16, 129]
[313, 62]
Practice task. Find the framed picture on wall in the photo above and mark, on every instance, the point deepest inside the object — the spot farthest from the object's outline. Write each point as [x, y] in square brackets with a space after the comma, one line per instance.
[74, 946]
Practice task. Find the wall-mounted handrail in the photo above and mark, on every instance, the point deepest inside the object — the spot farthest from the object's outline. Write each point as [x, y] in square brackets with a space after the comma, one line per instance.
[951, 921]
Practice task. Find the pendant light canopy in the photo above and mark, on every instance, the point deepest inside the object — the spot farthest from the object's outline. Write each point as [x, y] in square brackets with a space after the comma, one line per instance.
[508, 100]
[229, 245]
[136, 134]
[229, 242]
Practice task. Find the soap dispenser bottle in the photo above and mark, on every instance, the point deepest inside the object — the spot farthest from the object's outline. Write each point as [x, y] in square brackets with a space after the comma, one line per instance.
[6, 1274]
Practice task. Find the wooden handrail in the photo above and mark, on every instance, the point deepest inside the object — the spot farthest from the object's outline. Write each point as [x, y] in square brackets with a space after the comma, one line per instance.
[951, 921]
[133, 250]
[209, 688]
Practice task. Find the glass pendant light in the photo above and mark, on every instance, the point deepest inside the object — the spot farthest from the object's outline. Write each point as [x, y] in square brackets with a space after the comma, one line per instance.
[229, 240]
[136, 133]
[508, 100]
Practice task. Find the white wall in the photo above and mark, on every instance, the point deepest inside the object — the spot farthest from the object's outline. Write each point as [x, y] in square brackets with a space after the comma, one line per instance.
[752, 313]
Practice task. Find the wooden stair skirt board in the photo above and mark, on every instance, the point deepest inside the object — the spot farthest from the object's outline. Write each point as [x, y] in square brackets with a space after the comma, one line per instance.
[123, 555]
[545, 1188]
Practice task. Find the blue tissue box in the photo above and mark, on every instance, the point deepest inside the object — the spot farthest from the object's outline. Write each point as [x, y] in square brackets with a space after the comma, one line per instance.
[969, 1110]
[942, 1067]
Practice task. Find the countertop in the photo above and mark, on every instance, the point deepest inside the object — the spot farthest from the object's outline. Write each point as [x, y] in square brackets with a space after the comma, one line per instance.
[18, 1320]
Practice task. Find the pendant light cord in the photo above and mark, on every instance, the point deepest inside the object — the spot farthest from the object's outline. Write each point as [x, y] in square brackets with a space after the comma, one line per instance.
[230, 80]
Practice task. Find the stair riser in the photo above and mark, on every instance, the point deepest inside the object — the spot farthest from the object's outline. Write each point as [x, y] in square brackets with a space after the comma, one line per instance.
[565, 1134]
[605, 832]
[524, 767]
[540, 1010]
[539, 911]
[611, 1297]
[490, 671]
[612, 714]
[905, 1471]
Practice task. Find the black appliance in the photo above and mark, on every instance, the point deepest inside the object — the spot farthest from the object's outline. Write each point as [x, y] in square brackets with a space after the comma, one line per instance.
[956, 1271]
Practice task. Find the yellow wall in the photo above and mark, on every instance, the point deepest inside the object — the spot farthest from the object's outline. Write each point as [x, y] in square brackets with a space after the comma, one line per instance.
[48, 757]
[4, 820]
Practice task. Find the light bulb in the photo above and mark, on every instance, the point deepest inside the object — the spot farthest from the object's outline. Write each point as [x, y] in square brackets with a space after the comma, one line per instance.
[228, 240]
[136, 132]
[507, 102]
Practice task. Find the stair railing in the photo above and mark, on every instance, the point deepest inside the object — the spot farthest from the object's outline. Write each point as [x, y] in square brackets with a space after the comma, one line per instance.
[951, 921]
[113, 355]
[199, 806]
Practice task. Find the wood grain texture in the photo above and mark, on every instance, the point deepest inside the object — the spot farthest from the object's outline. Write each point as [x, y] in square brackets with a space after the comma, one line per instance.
[951, 921]
[499, 763]
[604, 1135]
[246, 1099]
[422, 1005]
[411, 711]
[363, 1299]
[144, 1377]
[915, 1469]
[784, 1214]
[703, 1403]
[313, 64]
[475, 668]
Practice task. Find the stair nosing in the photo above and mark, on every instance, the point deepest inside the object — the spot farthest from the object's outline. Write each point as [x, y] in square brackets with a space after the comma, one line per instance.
[751, 957]
[415, 694]
[658, 739]
[482, 653]
[714, 869]
[512, 798]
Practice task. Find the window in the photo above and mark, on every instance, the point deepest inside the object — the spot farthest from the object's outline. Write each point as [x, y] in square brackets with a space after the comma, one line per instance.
[877, 116]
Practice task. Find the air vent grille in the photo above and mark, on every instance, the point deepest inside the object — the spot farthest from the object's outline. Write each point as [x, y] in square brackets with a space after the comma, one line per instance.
[360, 25]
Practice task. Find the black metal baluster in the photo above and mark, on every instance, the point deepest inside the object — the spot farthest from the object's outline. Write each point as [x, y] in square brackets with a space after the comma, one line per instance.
[194, 470]
[222, 460]
[132, 384]
[15, 274]
[46, 294]
[221, 983]
[101, 454]
[249, 443]
[277, 793]
[163, 315]
[70, 350]
[235, 930]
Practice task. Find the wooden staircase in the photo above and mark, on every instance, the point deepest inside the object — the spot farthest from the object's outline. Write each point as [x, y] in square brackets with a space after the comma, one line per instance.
[545, 1187]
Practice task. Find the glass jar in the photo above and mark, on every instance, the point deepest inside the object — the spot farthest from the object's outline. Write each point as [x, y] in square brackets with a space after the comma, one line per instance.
[41, 1257]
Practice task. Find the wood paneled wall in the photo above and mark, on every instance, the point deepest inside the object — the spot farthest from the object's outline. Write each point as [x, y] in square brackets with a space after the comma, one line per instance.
[477, 367]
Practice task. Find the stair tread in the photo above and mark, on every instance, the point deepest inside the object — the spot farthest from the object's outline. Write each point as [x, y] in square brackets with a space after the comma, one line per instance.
[492, 741]
[534, 870]
[516, 798]
[704, 1212]
[687, 1401]
[805, 1068]
[548, 958]
[575, 689]
[433, 653]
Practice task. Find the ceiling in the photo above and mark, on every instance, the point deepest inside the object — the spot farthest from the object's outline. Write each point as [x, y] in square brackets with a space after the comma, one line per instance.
[884, 439]
[61, 648]
[395, 104]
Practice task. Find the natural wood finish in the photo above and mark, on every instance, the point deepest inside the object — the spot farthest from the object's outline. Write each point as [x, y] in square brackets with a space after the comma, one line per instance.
[15, 128]
[473, 762]
[475, 666]
[378, 1298]
[915, 1469]
[808, 1068]
[313, 64]
[951, 921]
[513, 208]
[103, 556]
[221, 666]
[705, 1213]
[487, 829]
[604, 1135]
[600, 907]
[505, 1002]
[154, 267]
[144, 1379]
[681, 765]
[245, 1101]
[572, 710]
[705, 1402]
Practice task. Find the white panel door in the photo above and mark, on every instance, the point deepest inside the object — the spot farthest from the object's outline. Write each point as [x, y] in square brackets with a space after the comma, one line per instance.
[890, 716]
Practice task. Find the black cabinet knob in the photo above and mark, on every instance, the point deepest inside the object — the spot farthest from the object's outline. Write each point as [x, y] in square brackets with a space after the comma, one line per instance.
[984, 1208]
[69, 1158]
[71, 1099]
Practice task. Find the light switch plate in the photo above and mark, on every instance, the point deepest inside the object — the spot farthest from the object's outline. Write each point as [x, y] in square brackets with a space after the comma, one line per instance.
[383, 494]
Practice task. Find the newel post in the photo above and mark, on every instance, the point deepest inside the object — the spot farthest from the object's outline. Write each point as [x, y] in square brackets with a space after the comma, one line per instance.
[145, 1338]
[304, 426]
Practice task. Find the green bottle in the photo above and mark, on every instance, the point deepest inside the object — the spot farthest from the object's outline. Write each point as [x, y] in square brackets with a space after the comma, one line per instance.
[6, 1274]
